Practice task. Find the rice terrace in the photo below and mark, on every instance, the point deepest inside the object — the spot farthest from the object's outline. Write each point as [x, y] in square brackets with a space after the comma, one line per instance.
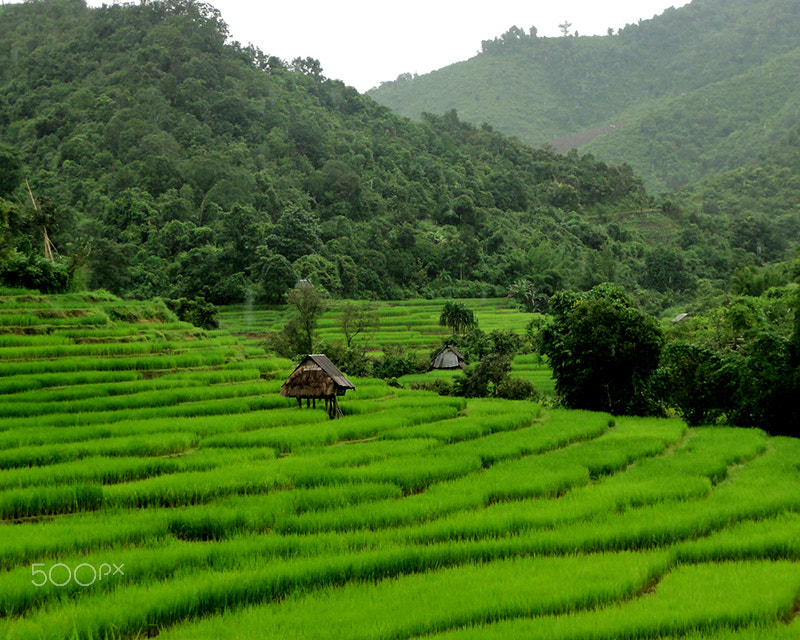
[154, 482]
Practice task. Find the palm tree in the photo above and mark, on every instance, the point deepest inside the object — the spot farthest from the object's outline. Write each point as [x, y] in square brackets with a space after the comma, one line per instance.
[527, 293]
[457, 316]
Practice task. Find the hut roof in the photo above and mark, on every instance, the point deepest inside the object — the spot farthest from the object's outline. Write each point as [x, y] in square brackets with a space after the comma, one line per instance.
[316, 377]
[331, 369]
[448, 358]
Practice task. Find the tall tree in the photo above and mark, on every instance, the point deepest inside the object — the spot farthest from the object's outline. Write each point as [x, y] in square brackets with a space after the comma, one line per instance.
[602, 349]
[309, 305]
[357, 319]
[457, 316]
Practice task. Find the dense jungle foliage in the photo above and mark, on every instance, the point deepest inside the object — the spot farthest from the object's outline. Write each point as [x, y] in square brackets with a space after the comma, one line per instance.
[698, 90]
[159, 158]
[737, 362]
[177, 164]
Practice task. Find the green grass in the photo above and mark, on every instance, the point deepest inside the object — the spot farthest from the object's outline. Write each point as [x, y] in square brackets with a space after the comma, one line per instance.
[705, 598]
[237, 514]
[414, 323]
[453, 597]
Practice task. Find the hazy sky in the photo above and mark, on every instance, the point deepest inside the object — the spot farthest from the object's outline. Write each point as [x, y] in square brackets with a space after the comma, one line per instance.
[364, 42]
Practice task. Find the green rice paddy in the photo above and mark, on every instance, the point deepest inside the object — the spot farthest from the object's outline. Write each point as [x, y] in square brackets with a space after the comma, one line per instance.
[153, 483]
[411, 323]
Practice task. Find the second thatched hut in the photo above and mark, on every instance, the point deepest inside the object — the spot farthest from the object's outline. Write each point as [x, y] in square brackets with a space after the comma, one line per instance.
[448, 358]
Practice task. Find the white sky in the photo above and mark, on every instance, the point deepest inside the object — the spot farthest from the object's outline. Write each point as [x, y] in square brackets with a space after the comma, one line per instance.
[364, 42]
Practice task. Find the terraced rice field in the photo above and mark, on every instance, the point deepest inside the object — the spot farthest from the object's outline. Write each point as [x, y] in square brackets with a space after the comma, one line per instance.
[411, 323]
[153, 483]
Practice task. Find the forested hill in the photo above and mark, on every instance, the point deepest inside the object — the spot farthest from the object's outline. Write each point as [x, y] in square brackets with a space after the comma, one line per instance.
[163, 159]
[693, 92]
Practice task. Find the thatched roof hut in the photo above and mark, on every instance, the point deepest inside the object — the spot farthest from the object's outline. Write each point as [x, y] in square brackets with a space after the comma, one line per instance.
[317, 378]
[448, 358]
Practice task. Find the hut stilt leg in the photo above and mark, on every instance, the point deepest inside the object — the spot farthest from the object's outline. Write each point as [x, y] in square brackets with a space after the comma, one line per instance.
[299, 403]
[334, 411]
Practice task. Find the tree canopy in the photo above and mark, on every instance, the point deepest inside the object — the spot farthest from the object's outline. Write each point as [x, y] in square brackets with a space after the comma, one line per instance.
[603, 350]
[457, 316]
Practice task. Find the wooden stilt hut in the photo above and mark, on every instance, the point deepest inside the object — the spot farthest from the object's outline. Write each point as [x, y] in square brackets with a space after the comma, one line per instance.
[317, 378]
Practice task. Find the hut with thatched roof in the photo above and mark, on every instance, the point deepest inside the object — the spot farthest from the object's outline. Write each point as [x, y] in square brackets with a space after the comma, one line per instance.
[448, 358]
[317, 378]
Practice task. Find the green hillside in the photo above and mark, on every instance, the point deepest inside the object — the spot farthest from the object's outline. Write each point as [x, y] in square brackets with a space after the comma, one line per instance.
[158, 158]
[153, 482]
[720, 127]
[715, 74]
[158, 153]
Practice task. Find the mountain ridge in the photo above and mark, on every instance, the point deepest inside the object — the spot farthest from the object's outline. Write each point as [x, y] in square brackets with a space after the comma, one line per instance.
[544, 89]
